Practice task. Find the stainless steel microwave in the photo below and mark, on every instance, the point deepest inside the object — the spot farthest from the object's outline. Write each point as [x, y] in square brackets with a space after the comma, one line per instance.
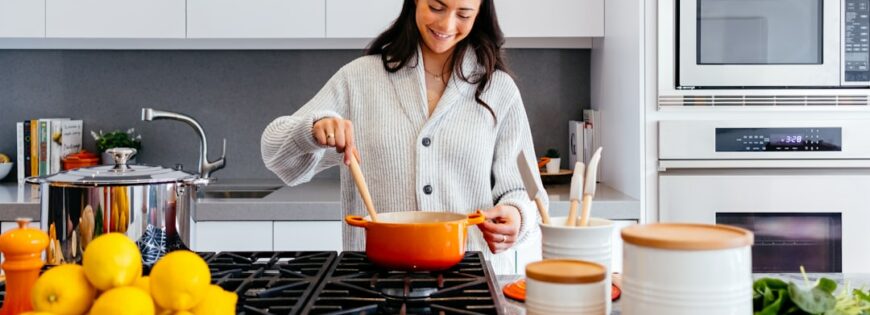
[772, 44]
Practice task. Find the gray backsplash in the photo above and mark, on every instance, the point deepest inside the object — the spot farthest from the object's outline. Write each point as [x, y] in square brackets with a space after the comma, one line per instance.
[234, 95]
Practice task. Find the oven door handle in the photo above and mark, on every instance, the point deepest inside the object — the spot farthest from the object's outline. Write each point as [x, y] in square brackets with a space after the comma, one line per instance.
[665, 165]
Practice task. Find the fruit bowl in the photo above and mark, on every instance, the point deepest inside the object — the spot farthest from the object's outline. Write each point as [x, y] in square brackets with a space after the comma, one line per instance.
[4, 169]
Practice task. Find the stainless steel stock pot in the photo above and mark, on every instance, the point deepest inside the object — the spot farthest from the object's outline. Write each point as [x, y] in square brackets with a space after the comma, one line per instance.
[152, 205]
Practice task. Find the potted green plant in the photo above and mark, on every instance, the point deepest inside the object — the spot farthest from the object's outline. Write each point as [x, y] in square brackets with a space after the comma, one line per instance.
[116, 139]
[555, 161]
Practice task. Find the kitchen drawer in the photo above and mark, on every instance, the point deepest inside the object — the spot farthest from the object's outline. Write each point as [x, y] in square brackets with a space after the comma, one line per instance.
[212, 236]
[307, 235]
[6, 226]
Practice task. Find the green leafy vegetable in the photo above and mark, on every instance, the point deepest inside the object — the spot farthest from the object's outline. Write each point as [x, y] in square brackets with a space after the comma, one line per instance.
[815, 300]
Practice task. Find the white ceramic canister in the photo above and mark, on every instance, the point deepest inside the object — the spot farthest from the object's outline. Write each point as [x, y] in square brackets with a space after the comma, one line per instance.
[589, 243]
[682, 269]
[565, 286]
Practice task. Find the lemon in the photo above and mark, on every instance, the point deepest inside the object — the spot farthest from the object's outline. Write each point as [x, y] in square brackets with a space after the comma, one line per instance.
[179, 280]
[143, 283]
[4, 158]
[112, 260]
[123, 301]
[216, 302]
[63, 290]
[36, 313]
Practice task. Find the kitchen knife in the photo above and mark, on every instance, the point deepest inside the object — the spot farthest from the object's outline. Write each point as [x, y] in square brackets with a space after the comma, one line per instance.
[576, 192]
[589, 186]
[532, 182]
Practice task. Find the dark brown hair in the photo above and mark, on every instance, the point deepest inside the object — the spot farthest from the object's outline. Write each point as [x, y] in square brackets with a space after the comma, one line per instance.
[398, 45]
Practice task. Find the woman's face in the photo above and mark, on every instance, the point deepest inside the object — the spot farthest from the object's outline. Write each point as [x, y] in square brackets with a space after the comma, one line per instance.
[443, 23]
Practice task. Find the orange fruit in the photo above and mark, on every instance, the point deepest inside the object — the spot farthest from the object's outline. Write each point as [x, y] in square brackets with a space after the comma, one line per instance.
[63, 290]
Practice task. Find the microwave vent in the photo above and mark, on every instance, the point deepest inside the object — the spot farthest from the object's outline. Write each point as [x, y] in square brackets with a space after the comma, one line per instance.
[763, 100]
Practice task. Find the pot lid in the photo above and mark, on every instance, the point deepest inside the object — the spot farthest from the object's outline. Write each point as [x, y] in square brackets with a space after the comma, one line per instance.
[566, 271]
[119, 174]
[686, 236]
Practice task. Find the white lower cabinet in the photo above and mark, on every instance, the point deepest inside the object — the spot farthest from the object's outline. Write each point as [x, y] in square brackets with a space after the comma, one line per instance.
[6, 226]
[531, 250]
[307, 235]
[214, 236]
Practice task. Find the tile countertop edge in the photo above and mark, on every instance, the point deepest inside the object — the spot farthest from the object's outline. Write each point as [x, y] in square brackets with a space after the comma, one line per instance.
[317, 200]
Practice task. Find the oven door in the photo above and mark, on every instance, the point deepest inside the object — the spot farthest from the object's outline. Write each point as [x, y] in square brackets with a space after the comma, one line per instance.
[811, 217]
[759, 43]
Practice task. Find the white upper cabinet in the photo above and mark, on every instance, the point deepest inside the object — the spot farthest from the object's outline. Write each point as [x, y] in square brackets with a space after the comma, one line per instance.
[22, 18]
[360, 19]
[256, 18]
[551, 18]
[115, 18]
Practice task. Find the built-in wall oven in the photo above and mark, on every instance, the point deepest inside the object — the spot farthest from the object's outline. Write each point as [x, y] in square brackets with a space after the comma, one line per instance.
[803, 187]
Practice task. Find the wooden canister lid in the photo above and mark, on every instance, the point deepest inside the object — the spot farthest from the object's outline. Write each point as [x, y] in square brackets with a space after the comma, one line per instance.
[683, 236]
[566, 271]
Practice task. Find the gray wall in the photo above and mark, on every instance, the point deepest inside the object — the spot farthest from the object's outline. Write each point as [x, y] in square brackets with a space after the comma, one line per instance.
[234, 95]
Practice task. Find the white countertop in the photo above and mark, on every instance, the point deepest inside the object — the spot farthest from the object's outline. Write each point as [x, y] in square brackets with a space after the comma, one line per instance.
[318, 200]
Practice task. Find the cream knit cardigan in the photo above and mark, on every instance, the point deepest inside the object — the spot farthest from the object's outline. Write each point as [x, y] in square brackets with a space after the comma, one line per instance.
[470, 162]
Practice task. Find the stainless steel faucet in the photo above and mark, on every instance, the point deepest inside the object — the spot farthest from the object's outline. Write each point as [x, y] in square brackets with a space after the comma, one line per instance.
[205, 167]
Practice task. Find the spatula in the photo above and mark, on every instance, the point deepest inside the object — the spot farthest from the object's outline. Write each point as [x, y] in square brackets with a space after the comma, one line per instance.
[576, 192]
[360, 182]
[589, 186]
[533, 185]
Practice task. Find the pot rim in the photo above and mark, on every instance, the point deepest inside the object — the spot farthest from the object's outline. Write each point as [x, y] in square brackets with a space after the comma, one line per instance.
[460, 219]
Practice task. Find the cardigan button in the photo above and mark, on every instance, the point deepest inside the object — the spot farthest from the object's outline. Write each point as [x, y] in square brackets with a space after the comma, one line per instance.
[427, 189]
[427, 141]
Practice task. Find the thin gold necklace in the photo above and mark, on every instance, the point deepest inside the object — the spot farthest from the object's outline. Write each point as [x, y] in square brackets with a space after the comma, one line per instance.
[437, 76]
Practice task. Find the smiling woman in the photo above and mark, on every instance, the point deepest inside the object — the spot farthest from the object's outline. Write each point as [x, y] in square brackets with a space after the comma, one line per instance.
[437, 118]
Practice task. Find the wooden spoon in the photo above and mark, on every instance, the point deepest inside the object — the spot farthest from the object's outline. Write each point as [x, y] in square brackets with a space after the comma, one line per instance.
[360, 182]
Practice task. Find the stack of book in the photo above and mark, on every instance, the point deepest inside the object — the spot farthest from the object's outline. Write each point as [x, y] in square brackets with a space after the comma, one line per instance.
[42, 144]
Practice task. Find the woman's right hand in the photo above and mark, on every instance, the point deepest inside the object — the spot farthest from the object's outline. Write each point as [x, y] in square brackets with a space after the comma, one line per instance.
[337, 133]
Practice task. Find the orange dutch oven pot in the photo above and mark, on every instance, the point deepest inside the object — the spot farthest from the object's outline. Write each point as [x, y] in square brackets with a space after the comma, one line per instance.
[416, 240]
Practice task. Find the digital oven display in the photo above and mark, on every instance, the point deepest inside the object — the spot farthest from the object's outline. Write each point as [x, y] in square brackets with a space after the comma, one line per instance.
[778, 139]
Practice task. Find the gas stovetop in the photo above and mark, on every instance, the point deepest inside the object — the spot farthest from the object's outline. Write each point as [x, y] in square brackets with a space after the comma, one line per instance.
[288, 283]
[356, 286]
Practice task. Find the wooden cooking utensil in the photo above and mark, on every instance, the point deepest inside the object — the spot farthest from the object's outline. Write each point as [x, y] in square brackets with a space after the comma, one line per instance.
[533, 185]
[589, 186]
[360, 182]
[576, 189]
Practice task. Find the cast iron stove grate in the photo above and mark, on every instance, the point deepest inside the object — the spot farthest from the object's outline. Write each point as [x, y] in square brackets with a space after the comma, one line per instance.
[269, 283]
[356, 286]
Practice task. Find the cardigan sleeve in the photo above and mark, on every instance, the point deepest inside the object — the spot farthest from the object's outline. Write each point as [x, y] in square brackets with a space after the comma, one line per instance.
[513, 136]
[288, 146]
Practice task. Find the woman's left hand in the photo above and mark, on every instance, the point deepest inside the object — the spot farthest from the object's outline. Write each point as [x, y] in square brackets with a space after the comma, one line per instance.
[501, 227]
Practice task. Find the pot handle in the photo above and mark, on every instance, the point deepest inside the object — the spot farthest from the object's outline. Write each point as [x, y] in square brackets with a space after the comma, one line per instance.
[475, 218]
[356, 221]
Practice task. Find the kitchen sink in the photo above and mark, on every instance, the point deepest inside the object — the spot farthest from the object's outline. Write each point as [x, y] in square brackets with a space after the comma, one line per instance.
[224, 192]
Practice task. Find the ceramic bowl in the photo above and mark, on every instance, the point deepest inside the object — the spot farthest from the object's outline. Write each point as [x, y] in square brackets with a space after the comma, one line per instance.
[5, 168]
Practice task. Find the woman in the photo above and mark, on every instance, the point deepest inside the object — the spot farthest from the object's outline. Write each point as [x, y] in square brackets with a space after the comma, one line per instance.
[436, 118]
